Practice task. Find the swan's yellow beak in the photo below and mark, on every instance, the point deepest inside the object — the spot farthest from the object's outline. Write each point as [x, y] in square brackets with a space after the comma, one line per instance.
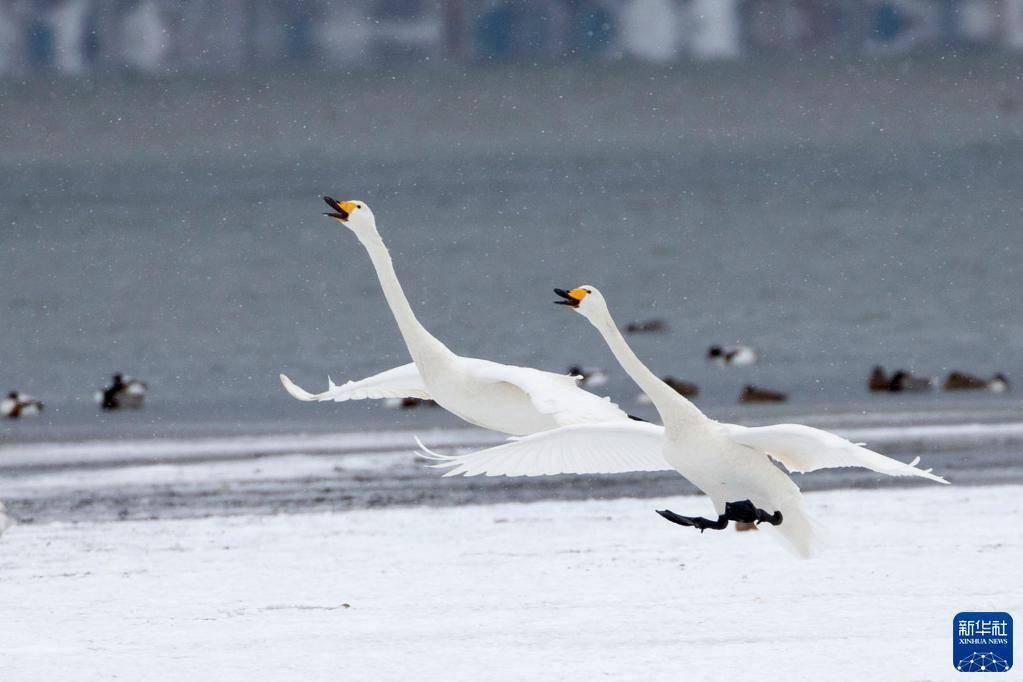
[572, 298]
[342, 209]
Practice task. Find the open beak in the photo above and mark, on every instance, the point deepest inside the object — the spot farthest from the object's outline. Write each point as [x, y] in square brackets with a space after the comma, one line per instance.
[572, 298]
[342, 209]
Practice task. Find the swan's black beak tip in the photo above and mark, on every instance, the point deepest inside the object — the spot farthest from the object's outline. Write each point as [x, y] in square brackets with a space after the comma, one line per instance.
[568, 298]
[339, 213]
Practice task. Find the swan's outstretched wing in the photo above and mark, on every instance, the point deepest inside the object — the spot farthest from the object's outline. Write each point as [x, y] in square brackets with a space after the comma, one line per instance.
[400, 382]
[609, 448]
[803, 448]
[554, 394]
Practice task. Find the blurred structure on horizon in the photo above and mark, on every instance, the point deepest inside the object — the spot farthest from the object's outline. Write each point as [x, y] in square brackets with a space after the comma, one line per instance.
[209, 36]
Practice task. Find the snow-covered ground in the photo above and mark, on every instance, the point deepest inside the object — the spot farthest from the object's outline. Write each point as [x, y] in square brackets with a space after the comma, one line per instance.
[549, 590]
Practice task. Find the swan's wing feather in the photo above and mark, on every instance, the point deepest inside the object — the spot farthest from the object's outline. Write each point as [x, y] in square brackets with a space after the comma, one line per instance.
[803, 448]
[609, 448]
[400, 382]
[554, 394]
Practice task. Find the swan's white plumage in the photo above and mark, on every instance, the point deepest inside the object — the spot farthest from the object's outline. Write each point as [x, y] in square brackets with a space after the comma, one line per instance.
[620, 447]
[729, 463]
[557, 395]
[400, 382]
[608, 448]
[514, 400]
[803, 448]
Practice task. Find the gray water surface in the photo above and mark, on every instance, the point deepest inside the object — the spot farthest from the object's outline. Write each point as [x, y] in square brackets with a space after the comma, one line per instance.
[833, 217]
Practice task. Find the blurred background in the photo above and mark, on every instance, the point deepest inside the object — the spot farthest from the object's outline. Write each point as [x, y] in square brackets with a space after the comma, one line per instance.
[834, 183]
[231, 36]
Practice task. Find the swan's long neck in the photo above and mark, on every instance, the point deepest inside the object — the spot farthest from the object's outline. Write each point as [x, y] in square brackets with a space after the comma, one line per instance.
[670, 405]
[421, 343]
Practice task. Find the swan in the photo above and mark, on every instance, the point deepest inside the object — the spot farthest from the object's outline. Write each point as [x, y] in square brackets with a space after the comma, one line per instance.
[732, 464]
[514, 400]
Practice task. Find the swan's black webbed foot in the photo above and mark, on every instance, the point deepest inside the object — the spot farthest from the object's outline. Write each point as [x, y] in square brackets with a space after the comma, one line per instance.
[744, 511]
[694, 521]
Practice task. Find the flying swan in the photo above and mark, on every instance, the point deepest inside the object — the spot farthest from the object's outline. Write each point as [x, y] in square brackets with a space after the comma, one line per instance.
[730, 463]
[513, 400]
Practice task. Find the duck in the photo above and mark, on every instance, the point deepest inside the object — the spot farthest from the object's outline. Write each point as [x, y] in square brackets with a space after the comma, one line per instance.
[999, 383]
[879, 380]
[124, 392]
[732, 356]
[961, 381]
[514, 400]
[682, 387]
[904, 381]
[589, 376]
[17, 405]
[653, 326]
[734, 465]
[756, 394]
[408, 403]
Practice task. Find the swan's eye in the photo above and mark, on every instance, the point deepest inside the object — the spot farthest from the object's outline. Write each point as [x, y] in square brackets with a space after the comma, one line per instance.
[588, 291]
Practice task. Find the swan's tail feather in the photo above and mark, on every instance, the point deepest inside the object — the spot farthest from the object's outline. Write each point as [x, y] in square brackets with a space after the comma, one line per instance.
[438, 460]
[426, 453]
[295, 390]
[928, 473]
[802, 533]
[928, 470]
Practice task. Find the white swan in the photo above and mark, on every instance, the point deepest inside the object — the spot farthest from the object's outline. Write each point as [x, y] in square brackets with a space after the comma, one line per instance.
[730, 463]
[514, 400]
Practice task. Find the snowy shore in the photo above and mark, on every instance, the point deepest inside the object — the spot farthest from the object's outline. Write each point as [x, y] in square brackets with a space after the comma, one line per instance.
[549, 590]
[157, 478]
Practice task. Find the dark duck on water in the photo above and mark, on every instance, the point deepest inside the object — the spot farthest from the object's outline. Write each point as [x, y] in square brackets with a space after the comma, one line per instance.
[122, 393]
